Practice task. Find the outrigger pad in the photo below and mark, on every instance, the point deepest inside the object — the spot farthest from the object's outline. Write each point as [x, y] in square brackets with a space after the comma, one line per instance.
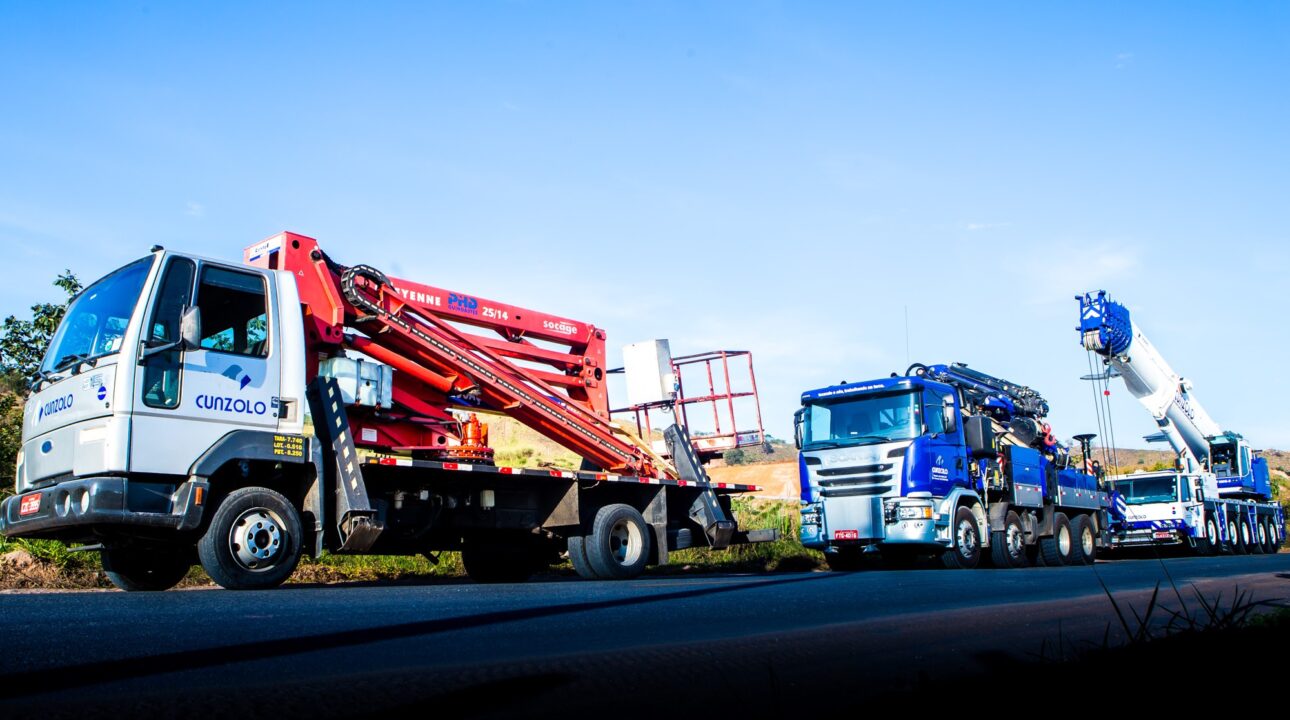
[706, 510]
[357, 524]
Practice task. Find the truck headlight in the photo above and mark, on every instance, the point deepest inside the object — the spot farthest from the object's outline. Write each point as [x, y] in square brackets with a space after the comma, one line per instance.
[810, 518]
[914, 512]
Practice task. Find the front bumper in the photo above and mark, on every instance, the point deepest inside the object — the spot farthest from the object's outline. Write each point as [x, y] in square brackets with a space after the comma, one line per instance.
[76, 507]
[1137, 533]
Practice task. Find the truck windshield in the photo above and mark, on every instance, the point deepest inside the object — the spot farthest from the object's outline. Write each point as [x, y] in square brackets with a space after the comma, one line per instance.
[1148, 490]
[96, 320]
[862, 420]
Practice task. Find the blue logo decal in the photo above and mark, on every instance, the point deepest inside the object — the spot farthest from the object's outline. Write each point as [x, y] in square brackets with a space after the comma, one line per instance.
[463, 303]
[56, 405]
[237, 375]
[225, 404]
[102, 393]
[239, 406]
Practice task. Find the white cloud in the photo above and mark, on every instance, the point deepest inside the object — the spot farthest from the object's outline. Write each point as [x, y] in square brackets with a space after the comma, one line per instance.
[194, 209]
[1123, 60]
[975, 226]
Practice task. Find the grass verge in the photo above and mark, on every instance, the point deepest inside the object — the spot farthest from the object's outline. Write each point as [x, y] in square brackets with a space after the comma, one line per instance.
[50, 565]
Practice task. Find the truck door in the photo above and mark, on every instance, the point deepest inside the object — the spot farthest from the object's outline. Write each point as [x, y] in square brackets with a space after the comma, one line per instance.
[947, 456]
[185, 401]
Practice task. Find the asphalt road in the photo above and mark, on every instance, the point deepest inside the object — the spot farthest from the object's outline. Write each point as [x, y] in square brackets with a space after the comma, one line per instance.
[753, 644]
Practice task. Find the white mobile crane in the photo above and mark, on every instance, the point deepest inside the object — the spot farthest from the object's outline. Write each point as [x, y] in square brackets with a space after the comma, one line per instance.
[1218, 498]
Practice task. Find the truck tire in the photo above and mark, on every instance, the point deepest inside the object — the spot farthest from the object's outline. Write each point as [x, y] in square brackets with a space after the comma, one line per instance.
[1270, 532]
[619, 544]
[578, 558]
[497, 563]
[1259, 535]
[1084, 550]
[844, 560]
[141, 569]
[253, 541]
[1008, 546]
[1240, 535]
[1058, 549]
[965, 553]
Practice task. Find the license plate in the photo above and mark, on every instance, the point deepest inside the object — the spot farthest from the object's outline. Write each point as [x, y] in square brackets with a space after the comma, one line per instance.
[846, 534]
[1161, 534]
[30, 504]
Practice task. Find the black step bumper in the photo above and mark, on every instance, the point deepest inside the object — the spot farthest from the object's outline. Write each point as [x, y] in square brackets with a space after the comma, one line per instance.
[77, 507]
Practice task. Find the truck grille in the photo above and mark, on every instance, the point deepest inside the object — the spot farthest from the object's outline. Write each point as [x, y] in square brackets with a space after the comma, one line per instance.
[856, 481]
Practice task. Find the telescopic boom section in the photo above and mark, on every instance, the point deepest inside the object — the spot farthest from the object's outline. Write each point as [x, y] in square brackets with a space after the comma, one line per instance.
[407, 325]
[1107, 329]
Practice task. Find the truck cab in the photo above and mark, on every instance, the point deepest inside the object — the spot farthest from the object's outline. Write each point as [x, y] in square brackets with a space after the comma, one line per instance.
[880, 462]
[1239, 472]
[161, 374]
[1159, 508]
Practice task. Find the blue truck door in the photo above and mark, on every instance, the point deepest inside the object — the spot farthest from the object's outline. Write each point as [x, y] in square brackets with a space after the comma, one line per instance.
[946, 454]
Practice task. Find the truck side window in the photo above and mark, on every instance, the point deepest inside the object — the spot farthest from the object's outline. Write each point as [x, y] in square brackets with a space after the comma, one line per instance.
[234, 319]
[161, 374]
[932, 413]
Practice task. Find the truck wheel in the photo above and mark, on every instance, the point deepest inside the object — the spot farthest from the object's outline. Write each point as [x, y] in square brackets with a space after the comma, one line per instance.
[1008, 546]
[1269, 531]
[578, 558]
[253, 542]
[1084, 551]
[966, 551]
[494, 563]
[1240, 536]
[137, 569]
[1058, 549]
[619, 543]
[1260, 537]
[844, 560]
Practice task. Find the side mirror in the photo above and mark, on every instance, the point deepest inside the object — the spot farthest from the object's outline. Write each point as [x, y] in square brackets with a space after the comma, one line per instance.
[949, 418]
[190, 328]
[797, 427]
[190, 336]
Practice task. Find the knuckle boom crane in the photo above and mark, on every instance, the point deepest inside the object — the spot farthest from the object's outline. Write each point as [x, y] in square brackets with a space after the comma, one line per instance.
[948, 461]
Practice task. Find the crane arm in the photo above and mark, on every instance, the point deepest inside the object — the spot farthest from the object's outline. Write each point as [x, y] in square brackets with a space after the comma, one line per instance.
[1107, 329]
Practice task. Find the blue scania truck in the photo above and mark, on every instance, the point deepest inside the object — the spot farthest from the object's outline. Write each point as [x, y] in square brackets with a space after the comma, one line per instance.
[944, 461]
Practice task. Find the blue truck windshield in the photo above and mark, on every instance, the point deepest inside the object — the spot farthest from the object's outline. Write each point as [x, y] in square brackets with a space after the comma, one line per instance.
[96, 320]
[862, 420]
[1148, 490]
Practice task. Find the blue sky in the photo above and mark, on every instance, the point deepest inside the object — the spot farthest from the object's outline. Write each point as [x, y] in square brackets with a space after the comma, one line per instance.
[783, 178]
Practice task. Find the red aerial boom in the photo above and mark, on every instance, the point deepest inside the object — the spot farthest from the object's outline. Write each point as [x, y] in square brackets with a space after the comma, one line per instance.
[556, 387]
